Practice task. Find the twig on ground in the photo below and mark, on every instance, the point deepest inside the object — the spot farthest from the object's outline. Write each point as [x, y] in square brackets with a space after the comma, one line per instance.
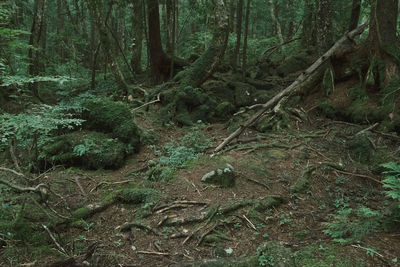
[367, 249]
[60, 248]
[108, 183]
[257, 182]
[360, 175]
[195, 187]
[367, 129]
[250, 223]
[76, 179]
[127, 226]
[154, 253]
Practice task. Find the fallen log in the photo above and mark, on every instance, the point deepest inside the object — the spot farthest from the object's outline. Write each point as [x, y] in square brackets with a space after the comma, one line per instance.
[294, 86]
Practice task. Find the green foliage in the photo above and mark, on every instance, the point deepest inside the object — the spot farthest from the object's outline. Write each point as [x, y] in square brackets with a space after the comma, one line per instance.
[179, 154]
[90, 150]
[392, 181]
[349, 226]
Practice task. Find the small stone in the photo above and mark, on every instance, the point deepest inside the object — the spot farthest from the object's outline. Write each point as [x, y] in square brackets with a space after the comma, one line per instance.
[224, 177]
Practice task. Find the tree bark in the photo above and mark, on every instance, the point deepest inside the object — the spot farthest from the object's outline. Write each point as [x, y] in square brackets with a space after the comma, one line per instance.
[159, 62]
[37, 43]
[239, 17]
[382, 39]
[137, 32]
[274, 16]
[207, 63]
[246, 32]
[324, 25]
[355, 14]
[308, 31]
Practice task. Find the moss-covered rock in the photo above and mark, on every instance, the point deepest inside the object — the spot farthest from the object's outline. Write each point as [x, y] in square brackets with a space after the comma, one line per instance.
[224, 177]
[91, 150]
[186, 105]
[219, 90]
[107, 116]
[135, 195]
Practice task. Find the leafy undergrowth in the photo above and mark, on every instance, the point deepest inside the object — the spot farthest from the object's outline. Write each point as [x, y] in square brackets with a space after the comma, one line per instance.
[307, 196]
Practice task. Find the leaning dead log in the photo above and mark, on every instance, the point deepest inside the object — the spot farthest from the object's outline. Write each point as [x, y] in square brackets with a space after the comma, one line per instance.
[349, 37]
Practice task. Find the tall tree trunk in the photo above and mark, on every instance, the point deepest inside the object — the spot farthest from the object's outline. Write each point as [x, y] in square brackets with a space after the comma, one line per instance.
[106, 40]
[239, 17]
[274, 16]
[355, 14]
[324, 25]
[383, 41]
[246, 31]
[232, 10]
[36, 42]
[159, 62]
[308, 31]
[137, 32]
[207, 63]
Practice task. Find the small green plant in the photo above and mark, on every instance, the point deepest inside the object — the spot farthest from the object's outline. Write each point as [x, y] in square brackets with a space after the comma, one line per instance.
[264, 259]
[392, 181]
[349, 226]
[284, 219]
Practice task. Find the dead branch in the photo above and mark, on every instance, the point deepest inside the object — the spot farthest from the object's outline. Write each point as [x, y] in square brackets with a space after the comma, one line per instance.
[41, 189]
[60, 248]
[148, 103]
[76, 179]
[367, 129]
[293, 87]
[154, 253]
[360, 175]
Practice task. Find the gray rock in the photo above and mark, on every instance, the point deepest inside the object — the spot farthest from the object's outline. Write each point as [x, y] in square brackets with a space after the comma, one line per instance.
[223, 177]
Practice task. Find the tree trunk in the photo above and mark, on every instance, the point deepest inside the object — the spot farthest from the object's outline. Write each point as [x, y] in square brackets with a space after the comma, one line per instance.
[159, 62]
[137, 32]
[36, 42]
[274, 16]
[232, 10]
[246, 31]
[382, 39]
[106, 40]
[308, 32]
[355, 14]
[324, 25]
[239, 17]
[207, 63]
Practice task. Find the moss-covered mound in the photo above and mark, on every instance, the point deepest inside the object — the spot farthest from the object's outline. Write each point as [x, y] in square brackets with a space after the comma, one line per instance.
[106, 116]
[186, 105]
[91, 150]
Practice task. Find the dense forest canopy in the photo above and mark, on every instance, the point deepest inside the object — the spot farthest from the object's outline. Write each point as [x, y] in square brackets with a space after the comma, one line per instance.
[252, 116]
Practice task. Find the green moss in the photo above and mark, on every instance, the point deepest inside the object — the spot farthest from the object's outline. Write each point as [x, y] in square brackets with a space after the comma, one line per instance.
[224, 110]
[267, 203]
[81, 213]
[244, 94]
[360, 148]
[327, 109]
[90, 150]
[138, 195]
[104, 115]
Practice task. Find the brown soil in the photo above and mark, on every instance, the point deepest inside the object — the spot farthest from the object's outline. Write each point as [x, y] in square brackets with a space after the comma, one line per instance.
[314, 142]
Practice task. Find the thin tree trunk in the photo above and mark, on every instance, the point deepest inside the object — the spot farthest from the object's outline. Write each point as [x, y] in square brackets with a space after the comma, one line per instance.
[106, 40]
[355, 14]
[308, 25]
[239, 17]
[137, 31]
[275, 19]
[246, 30]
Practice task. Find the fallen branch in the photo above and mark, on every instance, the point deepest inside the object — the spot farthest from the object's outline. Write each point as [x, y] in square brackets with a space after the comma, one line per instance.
[368, 129]
[41, 189]
[293, 87]
[359, 175]
[154, 253]
[60, 248]
[148, 103]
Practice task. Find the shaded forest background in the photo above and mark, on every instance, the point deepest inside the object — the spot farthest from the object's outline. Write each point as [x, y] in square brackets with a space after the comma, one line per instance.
[94, 84]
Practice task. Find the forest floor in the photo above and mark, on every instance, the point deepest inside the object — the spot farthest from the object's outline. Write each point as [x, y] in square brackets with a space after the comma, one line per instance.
[309, 167]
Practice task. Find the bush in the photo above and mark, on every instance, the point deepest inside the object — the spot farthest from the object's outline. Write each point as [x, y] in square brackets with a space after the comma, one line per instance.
[392, 181]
